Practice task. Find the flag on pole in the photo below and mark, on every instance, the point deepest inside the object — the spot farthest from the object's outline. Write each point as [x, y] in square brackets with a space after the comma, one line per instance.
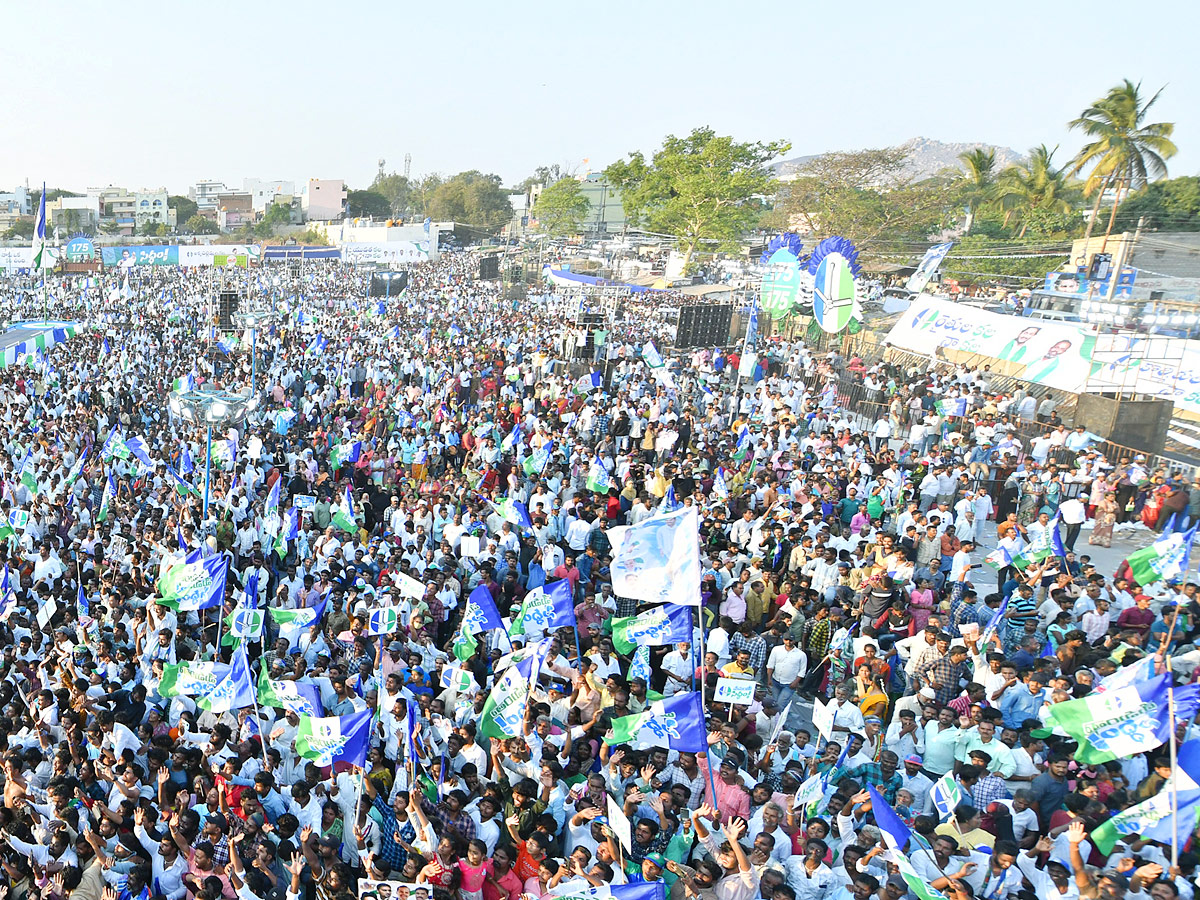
[271, 508]
[651, 356]
[513, 511]
[535, 462]
[333, 739]
[77, 469]
[666, 624]
[235, 690]
[39, 233]
[8, 596]
[946, 795]
[1167, 558]
[1123, 722]
[639, 667]
[598, 479]
[384, 620]
[296, 696]
[245, 623]
[193, 585]
[545, 607]
[343, 515]
[289, 532]
[993, 625]
[743, 444]
[343, 454]
[1151, 819]
[188, 679]
[676, 723]
[588, 383]
[504, 711]
[720, 488]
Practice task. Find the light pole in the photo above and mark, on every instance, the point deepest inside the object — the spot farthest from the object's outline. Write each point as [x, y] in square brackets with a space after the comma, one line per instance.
[252, 319]
[210, 406]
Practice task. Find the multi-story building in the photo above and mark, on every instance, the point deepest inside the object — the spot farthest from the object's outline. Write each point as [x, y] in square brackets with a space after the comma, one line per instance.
[263, 193]
[323, 199]
[74, 214]
[205, 193]
[235, 209]
[152, 207]
[17, 202]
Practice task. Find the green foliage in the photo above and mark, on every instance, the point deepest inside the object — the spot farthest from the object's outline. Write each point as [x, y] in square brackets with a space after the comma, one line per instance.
[184, 207]
[543, 175]
[864, 195]
[471, 198]
[22, 228]
[277, 215]
[311, 237]
[1035, 186]
[703, 188]
[561, 208]
[154, 229]
[368, 203]
[977, 184]
[197, 224]
[420, 194]
[1029, 270]
[393, 187]
[1170, 205]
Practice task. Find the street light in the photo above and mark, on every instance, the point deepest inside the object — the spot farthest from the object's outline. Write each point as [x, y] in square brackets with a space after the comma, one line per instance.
[252, 319]
[210, 406]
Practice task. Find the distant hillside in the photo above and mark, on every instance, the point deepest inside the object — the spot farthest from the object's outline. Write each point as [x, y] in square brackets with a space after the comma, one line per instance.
[928, 157]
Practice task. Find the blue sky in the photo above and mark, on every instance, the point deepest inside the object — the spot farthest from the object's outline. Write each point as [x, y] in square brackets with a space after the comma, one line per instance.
[148, 94]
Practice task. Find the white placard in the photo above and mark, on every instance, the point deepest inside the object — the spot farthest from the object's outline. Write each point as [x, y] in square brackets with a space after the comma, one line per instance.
[746, 365]
[735, 690]
[304, 502]
[46, 613]
[822, 718]
[969, 631]
[619, 823]
[469, 546]
[409, 586]
[779, 723]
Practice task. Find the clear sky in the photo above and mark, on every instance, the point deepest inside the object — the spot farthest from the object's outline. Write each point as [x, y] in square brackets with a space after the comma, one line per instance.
[143, 94]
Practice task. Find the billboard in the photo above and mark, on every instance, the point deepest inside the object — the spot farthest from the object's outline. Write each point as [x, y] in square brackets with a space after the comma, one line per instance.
[933, 258]
[385, 252]
[219, 254]
[143, 255]
[22, 257]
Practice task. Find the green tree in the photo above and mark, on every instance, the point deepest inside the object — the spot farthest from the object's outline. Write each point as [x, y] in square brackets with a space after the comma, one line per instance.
[865, 196]
[978, 181]
[21, 229]
[1035, 185]
[471, 198]
[543, 175]
[184, 207]
[154, 229]
[277, 215]
[395, 188]
[420, 194]
[1172, 204]
[311, 237]
[1125, 153]
[561, 208]
[703, 188]
[197, 224]
[368, 203]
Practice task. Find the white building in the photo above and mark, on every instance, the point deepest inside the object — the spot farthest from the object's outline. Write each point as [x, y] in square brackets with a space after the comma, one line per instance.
[152, 206]
[263, 193]
[16, 202]
[204, 193]
[323, 199]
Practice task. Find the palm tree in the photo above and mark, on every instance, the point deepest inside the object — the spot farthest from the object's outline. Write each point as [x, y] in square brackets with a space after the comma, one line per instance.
[978, 181]
[1126, 153]
[1033, 185]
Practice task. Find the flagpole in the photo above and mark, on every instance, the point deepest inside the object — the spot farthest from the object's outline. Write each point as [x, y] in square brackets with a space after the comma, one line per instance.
[262, 738]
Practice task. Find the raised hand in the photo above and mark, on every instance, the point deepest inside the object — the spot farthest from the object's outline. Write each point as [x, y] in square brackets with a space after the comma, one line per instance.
[1075, 832]
[734, 829]
[306, 834]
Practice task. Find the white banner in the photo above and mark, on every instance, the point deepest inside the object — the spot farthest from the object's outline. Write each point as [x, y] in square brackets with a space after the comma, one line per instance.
[22, 257]
[206, 254]
[658, 560]
[387, 252]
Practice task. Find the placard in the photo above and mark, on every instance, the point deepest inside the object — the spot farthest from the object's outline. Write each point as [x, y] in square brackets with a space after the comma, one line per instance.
[392, 890]
[409, 586]
[822, 718]
[619, 823]
[735, 690]
[468, 547]
[46, 612]
[969, 631]
[306, 503]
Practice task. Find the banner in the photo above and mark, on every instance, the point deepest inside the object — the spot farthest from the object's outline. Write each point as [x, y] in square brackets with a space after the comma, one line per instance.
[361, 254]
[780, 291]
[1055, 354]
[22, 258]
[658, 560]
[929, 264]
[145, 255]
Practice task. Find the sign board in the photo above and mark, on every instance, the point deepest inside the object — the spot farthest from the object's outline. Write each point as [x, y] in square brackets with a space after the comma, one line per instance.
[304, 502]
[619, 823]
[822, 718]
[46, 612]
[469, 546]
[735, 690]
[409, 586]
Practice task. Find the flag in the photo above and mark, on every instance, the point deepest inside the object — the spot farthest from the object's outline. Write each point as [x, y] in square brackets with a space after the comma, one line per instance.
[384, 620]
[184, 385]
[343, 515]
[668, 624]
[334, 739]
[895, 832]
[112, 444]
[271, 507]
[105, 349]
[480, 615]
[39, 233]
[504, 710]
[1167, 558]
[545, 607]
[916, 884]
[953, 406]
[8, 596]
[341, 454]
[293, 622]
[513, 511]
[999, 558]
[187, 679]
[585, 384]
[676, 723]
[946, 795]
[535, 462]
[225, 453]
[512, 439]
[1124, 722]
[289, 532]
[233, 691]
[457, 678]
[670, 502]
[993, 625]
[197, 584]
[245, 623]
[598, 479]
[316, 346]
[651, 357]
[658, 559]
[77, 469]
[743, 443]
[182, 487]
[251, 589]
[1043, 545]
[1152, 817]
[639, 666]
[295, 696]
[81, 601]
[720, 488]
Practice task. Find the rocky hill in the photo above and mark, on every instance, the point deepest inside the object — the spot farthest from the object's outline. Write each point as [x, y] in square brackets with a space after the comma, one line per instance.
[927, 158]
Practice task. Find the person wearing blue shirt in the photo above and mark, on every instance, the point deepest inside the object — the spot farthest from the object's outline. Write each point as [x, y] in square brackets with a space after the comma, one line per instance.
[1021, 700]
[1160, 629]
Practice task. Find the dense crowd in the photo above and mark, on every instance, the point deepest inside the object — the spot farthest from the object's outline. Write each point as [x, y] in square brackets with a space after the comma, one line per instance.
[841, 573]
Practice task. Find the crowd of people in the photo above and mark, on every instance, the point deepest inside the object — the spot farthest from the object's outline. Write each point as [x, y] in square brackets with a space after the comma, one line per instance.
[841, 573]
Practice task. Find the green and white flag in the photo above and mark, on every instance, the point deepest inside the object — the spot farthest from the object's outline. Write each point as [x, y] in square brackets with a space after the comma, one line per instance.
[343, 515]
[244, 623]
[331, 739]
[189, 679]
[28, 473]
[504, 711]
[110, 491]
[916, 884]
[39, 233]
[1167, 558]
[598, 479]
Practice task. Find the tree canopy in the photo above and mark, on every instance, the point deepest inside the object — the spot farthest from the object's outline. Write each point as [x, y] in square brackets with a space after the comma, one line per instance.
[703, 188]
[561, 208]
[368, 203]
[471, 198]
[184, 207]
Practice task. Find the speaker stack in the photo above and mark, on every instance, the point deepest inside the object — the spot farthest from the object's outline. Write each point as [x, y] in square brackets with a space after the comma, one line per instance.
[227, 305]
[704, 326]
[489, 267]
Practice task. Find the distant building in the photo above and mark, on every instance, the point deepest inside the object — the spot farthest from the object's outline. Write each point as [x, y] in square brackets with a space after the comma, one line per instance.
[73, 214]
[17, 202]
[1165, 266]
[323, 199]
[263, 193]
[205, 193]
[235, 209]
[152, 207]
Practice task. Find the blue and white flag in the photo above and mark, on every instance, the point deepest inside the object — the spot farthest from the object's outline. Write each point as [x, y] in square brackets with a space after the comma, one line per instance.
[651, 356]
[481, 613]
[235, 690]
[639, 667]
[676, 723]
[545, 607]
[588, 383]
[194, 584]
[335, 739]
[40, 259]
[993, 625]
[666, 624]
[946, 795]
[186, 465]
[895, 832]
[720, 488]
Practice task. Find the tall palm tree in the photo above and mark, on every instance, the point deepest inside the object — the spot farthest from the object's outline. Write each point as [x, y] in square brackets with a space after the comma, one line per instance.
[1033, 185]
[978, 180]
[1126, 153]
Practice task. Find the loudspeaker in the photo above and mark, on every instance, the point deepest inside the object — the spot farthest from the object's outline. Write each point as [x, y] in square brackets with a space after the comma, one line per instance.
[388, 284]
[227, 305]
[703, 326]
[489, 267]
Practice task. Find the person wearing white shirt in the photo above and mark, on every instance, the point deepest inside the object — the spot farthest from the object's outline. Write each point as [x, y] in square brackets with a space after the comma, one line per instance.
[682, 665]
[905, 737]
